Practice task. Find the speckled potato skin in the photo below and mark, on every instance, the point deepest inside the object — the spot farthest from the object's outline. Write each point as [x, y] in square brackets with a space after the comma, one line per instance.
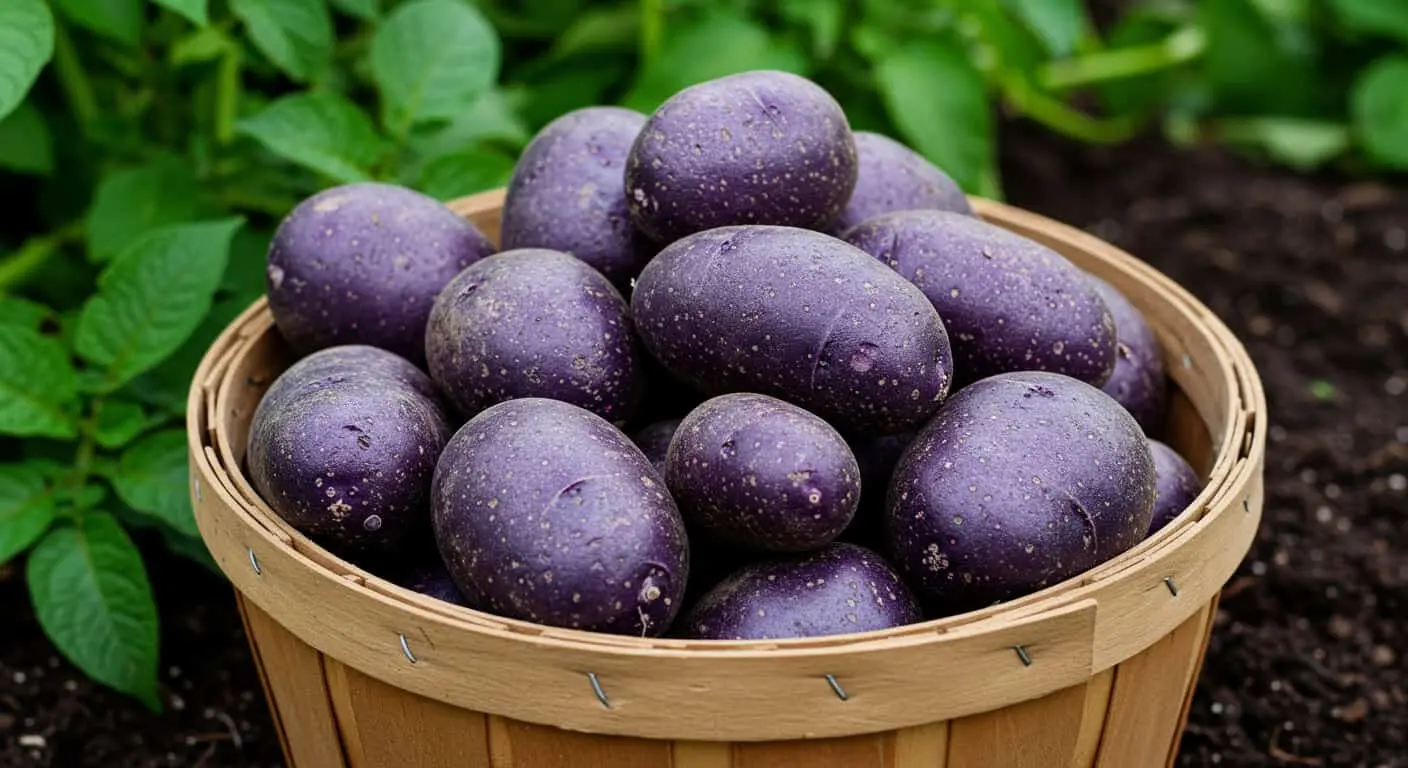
[759, 147]
[532, 322]
[343, 446]
[892, 177]
[567, 193]
[798, 315]
[362, 263]
[836, 590]
[1008, 302]
[554, 516]
[759, 473]
[654, 441]
[1176, 485]
[1140, 378]
[1021, 480]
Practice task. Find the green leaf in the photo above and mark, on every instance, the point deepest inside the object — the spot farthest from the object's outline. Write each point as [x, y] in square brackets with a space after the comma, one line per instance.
[37, 382]
[320, 131]
[152, 477]
[430, 60]
[824, 18]
[1138, 94]
[1379, 106]
[91, 596]
[715, 45]
[152, 296]
[119, 20]
[1388, 18]
[245, 276]
[119, 422]
[296, 35]
[202, 45]
[24, 142]
[490, 118]
[195, 11]
[26, 508]
[1245, 52]
[615, 28]
[131, 202]
[451, 176]
[1299, 143]
[939, 104]
[23, 312]
[1059, 23]
[167, 385]
[26, 43]
[192, 548]
[366, 10]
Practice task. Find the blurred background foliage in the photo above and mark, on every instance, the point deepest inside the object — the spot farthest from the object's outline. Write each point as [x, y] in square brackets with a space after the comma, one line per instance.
[149, 147]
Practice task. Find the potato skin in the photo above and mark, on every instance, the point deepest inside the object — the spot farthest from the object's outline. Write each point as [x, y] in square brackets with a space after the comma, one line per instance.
[798, 315]
[1008, 302]
[838, 589]
[1176, 485]
[362, 263]
[1021, 480]
[654, 441]
[892, 177]
[567, 193]
[759, 473]
[532, 322]
[343, 446]
[758, 147]
[1140, 379]
[877, 457]
[552, 515]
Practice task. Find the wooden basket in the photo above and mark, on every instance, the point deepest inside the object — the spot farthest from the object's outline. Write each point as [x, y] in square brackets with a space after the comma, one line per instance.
[1096, 671]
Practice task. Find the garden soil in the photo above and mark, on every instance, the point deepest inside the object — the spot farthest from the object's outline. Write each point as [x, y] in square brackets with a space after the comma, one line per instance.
[1306, 667]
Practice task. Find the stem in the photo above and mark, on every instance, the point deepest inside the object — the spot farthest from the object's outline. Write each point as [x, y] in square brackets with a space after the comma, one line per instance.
[227, 94]
[1178, 48]
[273, 205]
[16, 268]
[87, 447]
[73, 79]
[1061, 118]
[652, 29]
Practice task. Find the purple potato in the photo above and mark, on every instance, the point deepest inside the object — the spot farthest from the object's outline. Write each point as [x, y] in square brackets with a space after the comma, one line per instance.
[1008, 302]
[838, 589]
[567, 193]
[758, 473]
[654, 441]
[1177, 485]
[343, 446]
[1140, 379]
[892, 177]
[798, 315]
[1021, 480]
[759, 147]
[362, 263]
[433, 579]
[534, 323]
[552, 515]
[877, 457]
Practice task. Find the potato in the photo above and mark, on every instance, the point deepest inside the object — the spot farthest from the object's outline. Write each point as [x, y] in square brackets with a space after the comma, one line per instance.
[433, 579]
[1008, 302]
[654, 441]
[759, 473]
[567, 193]
[1176, 485]
[892, 177]
[1021, 480]
[343, 446]
[839, 589]
[362, 263]
[1140, 379]
[759, 147]
[532, 322]
[877, 457]
[553, 516]
[798, 315]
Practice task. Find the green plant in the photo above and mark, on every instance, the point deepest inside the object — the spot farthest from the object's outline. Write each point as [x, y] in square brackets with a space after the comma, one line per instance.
[149, 147]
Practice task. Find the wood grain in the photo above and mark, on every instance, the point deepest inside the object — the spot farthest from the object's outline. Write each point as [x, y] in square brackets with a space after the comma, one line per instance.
[923, 746]
[384, 727]
[1042, 733]
[868, 751]
[703, 754]
[297, 691]
[515, 744]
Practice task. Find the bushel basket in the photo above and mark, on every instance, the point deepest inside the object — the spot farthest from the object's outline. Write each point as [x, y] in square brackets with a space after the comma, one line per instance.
[1096, 671]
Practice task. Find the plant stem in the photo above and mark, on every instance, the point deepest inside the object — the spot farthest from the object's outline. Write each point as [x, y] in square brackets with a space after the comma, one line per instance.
[1060, 117]
[227, 94]
[652, 29]
[1178, 48]
[87, 447]
[16, 268]
[73, 79]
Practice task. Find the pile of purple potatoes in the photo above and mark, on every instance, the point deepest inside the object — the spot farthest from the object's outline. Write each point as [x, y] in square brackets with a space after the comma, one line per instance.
[734, 371]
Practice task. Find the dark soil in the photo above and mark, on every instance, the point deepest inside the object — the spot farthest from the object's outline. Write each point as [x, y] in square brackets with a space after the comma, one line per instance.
[1305, 668]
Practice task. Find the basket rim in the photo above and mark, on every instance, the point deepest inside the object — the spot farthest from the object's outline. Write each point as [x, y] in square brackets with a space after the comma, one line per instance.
[1236, 472]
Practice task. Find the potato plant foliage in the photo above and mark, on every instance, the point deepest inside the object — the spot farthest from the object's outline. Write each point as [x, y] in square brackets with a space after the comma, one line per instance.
[149, 147]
